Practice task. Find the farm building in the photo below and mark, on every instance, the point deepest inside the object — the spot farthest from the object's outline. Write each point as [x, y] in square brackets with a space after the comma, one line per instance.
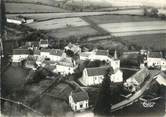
[94, 76]
[19, 20]
[30, 64]
[79, 100]
[85, 55]
[20, 54]
[134, 82]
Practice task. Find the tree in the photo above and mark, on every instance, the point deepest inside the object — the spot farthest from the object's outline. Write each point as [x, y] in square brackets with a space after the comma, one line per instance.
[103, 103]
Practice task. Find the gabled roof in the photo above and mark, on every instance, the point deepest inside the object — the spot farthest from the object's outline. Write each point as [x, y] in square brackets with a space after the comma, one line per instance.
[155, 55]
[80, 96]
[97, 71]
[140, 75]
[57, 52]
[20, 51]
[153, 73]
[102, 52]
[42, 41]
[45, 50]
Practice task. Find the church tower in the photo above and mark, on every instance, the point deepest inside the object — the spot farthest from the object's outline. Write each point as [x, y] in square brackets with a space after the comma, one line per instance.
[115, 63]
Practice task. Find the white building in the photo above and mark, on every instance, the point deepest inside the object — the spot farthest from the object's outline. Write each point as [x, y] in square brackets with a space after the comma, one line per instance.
[79, 101]
[154, 59]
[19, 20]
[20, 54]
[56, 54]
[86, 55]
[94, 76]
[43, 43]
[102, 55]
[66, 66]
[45, 53]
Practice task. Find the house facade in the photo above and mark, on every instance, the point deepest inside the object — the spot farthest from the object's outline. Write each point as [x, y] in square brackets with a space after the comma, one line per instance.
[43, 43]
[95, 76]
[79, 101]
[154, 59]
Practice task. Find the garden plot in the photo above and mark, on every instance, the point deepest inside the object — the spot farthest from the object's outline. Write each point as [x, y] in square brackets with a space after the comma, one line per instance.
[58, 23]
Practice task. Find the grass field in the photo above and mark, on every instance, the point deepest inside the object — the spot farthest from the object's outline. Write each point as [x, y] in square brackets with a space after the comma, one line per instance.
[73, 31]
[30, 8]
[155, 41]
[135, 28]
[58, 23]
[119, 18]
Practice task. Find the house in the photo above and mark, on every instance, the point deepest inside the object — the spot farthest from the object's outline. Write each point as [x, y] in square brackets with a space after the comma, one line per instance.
[135, 81]
[94, 76]
[43, 43]
[65, 66]
[56, 54]
[45, 53]
[161, 78]
[79, 101]
[102, 55]
[20, 54]
[154, 59]
[85, 55]
[74, 48]
[32, 44]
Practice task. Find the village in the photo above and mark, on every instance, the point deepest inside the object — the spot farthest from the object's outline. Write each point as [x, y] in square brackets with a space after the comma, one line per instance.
[86, 69]
[83, 58]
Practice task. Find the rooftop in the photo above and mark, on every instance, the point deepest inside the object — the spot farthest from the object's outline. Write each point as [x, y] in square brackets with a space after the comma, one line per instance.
[102, 52]
[20, 51]
[97, 71]
[57, 52]
[80, 96]
[155, 55]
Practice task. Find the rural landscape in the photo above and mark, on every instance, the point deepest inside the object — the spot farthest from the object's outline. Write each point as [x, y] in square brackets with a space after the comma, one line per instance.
[81, 58]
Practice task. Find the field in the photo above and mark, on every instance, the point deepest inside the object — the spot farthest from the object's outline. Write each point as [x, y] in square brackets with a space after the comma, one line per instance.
[72, 31]
[30, 8]
[154, 41]
[58, 23]
[119, 19]
[135, 28]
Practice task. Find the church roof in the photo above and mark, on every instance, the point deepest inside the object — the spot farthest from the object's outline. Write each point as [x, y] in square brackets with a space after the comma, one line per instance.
[97, 71]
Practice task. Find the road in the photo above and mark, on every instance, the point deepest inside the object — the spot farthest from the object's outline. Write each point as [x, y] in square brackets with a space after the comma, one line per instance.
[136, 96]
